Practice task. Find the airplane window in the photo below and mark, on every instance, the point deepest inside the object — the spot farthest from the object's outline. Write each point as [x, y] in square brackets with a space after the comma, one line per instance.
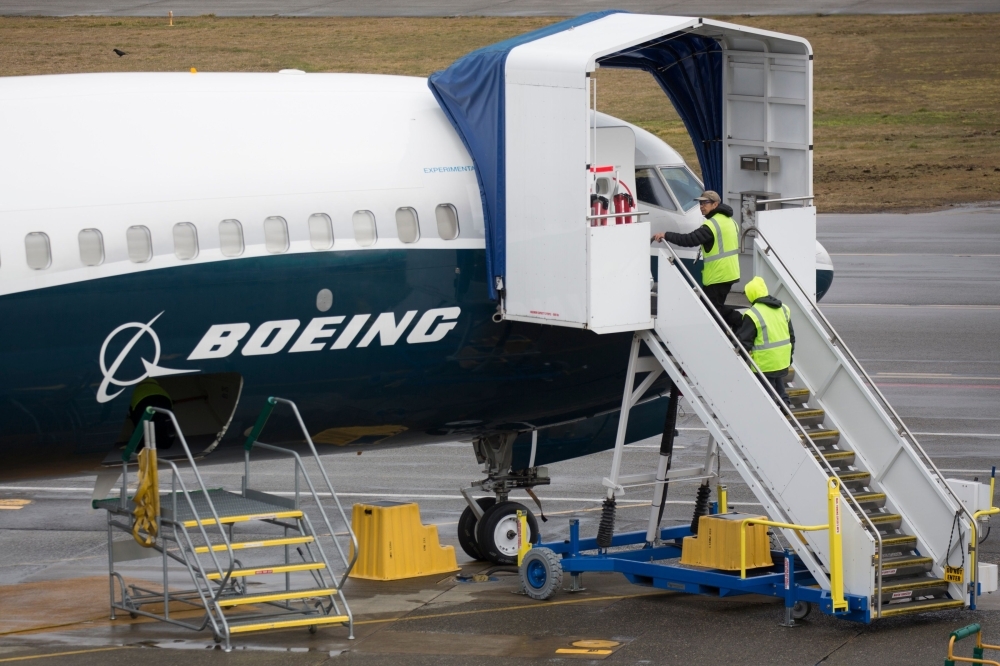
[407, 226]
[447, 219]
[37, 250]
[91, 247]
[276, 235]
[231, 238]
[650, 190]
[140, 244]
[364, 228]
[320, 231]
[185, 241]
[684, 185]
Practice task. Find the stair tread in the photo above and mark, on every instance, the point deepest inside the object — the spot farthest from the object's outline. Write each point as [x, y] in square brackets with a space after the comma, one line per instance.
[898, 540]
[854, 476]
[913, 584]
[230, 507]
[868, 497]
[797, 391]
[269, 569]
[257, 625]
[820, 434]
[839, 455]
[884, 517]
[905, 560]
[264, 597]
[262, 543]
[921, 606]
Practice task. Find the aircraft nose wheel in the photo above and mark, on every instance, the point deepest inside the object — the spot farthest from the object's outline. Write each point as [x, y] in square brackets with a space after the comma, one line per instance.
[467, 528]
[496, 533]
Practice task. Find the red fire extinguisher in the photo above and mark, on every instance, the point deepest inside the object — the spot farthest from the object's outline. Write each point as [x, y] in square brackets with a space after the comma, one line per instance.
[624, 203]
[598, 206]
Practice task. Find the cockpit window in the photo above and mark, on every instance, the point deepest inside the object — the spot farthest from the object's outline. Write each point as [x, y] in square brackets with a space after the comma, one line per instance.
[650, 190]
[684, 185]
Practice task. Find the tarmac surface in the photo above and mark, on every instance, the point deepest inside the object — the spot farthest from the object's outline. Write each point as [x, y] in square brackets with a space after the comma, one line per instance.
[483, 7]
[916, 298]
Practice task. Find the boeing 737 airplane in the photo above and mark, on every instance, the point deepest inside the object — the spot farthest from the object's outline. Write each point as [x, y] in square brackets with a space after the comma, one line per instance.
[318, 237]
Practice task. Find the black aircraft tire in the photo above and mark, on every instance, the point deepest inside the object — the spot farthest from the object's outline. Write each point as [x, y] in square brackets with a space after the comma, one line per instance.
[467, 528]
[496, 533]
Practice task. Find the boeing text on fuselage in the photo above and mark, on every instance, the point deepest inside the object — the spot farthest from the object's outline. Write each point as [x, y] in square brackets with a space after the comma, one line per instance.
[272, 337]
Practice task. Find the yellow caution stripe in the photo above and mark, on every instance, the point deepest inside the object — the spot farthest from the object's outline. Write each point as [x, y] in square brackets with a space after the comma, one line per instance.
[271, 569]
[914, 585]
[889, 611]
[911, 562]
[593, 651]
[242, 545]
[268, 597]
[226, 520]
[849, 477]
[899, 540]
[282, 624]
[862, 498]
[880, 518]
[839, 455]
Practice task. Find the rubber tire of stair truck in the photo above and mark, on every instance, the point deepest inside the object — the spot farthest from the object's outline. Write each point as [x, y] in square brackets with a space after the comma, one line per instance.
[503, 518]
[467, 528]
[540, 573]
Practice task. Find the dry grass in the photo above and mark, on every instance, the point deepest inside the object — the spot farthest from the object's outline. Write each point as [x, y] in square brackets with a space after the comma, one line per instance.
[907, 107]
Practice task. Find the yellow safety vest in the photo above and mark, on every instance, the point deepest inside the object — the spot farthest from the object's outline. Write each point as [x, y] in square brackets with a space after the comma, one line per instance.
[772, 348]
[722, 263]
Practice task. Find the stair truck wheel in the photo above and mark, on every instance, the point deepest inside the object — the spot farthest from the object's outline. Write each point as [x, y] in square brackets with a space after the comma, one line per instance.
[801, 609]
[467, 528]
[496, 533]
[541, 573]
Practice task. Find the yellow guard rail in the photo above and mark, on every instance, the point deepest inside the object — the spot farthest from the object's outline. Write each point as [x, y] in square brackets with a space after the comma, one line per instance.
[977, 652]
[836, 548]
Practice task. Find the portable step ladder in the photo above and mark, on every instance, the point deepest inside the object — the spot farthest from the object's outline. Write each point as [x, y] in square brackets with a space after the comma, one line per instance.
[839, 459]
[197, 528]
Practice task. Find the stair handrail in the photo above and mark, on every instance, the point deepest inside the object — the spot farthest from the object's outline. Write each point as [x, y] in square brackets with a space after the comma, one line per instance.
[897, 421]
[741, 350]
[223, 574]
[252, 439]
[137, 436]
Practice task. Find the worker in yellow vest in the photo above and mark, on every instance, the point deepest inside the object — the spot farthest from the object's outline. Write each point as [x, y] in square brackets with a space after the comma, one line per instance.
[719, 238]
[149, 393]
[768, 335]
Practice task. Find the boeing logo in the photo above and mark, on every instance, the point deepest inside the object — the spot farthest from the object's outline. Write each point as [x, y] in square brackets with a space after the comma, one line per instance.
[153, 368]
[272, 337]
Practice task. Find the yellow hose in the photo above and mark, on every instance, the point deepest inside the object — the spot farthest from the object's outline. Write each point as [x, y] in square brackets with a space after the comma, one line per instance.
[147, 499]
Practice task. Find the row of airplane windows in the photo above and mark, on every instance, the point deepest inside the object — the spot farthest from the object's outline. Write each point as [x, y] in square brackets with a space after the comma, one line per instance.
[139, 242]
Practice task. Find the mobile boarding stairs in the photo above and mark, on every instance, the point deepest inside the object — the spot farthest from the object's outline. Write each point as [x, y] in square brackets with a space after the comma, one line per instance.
[196, 527]
[872, 527]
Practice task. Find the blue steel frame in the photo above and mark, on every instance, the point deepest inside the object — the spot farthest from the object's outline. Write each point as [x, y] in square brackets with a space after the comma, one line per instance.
[787, 579]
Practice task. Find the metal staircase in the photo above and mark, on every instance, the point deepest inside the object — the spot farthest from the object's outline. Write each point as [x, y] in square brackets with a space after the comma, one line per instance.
[197, 529]
[905, 533]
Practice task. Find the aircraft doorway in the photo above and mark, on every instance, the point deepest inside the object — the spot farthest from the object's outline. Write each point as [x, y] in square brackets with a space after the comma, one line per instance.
[204, 405]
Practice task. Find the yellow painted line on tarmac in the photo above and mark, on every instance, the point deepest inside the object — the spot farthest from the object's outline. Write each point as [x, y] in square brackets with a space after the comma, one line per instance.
[546, 604]
[14, 504]
[599, 653]
[62, 654]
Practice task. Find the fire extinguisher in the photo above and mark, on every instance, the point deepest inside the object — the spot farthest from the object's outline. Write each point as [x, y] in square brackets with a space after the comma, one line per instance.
[598, 206]
[624, 203]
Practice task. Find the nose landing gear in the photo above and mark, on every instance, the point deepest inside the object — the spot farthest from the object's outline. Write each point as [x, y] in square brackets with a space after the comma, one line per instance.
[487, 529]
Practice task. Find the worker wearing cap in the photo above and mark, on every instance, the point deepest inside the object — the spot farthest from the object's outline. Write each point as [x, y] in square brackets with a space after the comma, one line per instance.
[149, 393]
[719, 238]
[767, 334]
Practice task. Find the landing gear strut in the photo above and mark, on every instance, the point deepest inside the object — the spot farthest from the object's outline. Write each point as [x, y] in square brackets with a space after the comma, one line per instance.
[487, 529]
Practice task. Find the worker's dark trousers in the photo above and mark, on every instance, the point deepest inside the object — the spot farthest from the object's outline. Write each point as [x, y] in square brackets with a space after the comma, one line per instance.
[717, 295]
[778, 383]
